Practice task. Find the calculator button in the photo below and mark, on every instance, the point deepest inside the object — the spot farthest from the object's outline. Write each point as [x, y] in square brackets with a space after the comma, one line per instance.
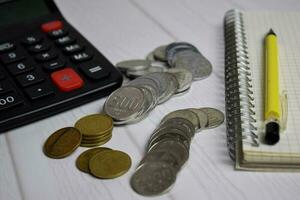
[29, 79]
[51, 26]
[38, 48]
[65, 40]
[94, 71]
[47, 56]
[20, 67]
[11, 57]
[39, 91]
[54, 65]
[58, 33]
[80, 57]
[9, 100]
[67, 79]
[73, 48]
[31, 40]
[7, 46]
[5, 86]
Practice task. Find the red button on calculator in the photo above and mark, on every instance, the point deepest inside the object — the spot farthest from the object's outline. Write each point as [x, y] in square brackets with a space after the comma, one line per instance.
[52, 26]
[67, 79]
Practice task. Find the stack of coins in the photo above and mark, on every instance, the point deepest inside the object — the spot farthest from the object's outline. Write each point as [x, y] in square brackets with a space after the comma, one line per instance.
[96, 129]
[179, 55]
[168, 148]
[103, 162]
[132, 102]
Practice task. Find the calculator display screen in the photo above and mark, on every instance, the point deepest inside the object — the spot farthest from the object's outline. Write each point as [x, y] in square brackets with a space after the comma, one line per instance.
[15, 11]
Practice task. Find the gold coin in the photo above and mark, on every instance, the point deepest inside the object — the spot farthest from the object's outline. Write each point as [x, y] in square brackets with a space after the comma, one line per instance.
[97, 137]
[94, 144]
[109, 164]
[62, 142]
[82, 162]
[94, 125]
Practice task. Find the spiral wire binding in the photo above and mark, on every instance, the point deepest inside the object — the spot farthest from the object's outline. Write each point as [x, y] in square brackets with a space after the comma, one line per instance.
[240, 108]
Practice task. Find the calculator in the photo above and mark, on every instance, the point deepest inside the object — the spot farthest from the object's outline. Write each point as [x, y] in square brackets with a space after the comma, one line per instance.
[46, 65]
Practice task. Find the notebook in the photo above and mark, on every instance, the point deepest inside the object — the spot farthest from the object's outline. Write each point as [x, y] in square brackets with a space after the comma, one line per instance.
[244, 88]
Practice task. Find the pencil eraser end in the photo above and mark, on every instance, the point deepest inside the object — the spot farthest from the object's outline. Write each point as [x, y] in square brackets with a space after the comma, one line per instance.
[272, 133]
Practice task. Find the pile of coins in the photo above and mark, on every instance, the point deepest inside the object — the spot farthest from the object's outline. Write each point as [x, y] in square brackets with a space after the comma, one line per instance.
[169, 70]
[89, 131]
[168, 148]
[103, 162]
[95, 129]
[179, 55]
[133, 102]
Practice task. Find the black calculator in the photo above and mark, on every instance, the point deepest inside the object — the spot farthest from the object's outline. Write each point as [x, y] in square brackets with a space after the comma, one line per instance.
[46, 66]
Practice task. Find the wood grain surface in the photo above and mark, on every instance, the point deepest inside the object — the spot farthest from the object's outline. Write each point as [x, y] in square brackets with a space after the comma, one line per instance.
[127, 29]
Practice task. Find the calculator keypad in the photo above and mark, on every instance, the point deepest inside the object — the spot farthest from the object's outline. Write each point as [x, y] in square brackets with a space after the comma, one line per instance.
[49, 66]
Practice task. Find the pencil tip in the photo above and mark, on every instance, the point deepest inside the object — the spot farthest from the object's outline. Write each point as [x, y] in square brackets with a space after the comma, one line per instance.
[271, 32]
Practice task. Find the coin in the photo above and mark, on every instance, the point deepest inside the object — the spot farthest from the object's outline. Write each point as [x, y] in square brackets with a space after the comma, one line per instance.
[184, 78]
[180, 123]
[153, 178]
[133, 65]
[164, 156]
[179, 149]
[160, 53]
[95, 143]
[124, 103]
[202, 118]
[186, 114]
[175, 47]
[94, 125]
[109, 164]
[199, 66]
[215, 117]
[82, 162]
[62, 142]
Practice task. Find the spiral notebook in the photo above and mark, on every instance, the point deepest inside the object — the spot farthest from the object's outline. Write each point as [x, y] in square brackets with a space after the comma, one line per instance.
[244, 88]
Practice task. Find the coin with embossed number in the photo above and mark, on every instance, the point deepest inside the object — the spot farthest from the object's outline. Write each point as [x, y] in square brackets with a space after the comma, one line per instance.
[125, 103]
[215, 117]
[62, 142]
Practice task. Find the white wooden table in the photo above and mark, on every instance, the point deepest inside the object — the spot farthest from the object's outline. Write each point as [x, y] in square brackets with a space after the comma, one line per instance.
[126, 29]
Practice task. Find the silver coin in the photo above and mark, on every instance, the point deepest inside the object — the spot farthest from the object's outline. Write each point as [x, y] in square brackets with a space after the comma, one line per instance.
[215, 117]
[160, 64]
[173, 48]
[163, 155]
[124, 103]
[186, 114]
[153, 178]
[199, 66]
[202, 117]
[168, 85]
[149, 83]
[184, 78]
[180, 123]
[133, 65]
[177, 94]
[150, 56]
[169, 133]
[170, 145]
[149, 104]
[160, 53]
[135, 74]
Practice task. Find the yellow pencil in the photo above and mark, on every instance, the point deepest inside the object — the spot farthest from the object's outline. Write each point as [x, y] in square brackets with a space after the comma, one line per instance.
[272, 96]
